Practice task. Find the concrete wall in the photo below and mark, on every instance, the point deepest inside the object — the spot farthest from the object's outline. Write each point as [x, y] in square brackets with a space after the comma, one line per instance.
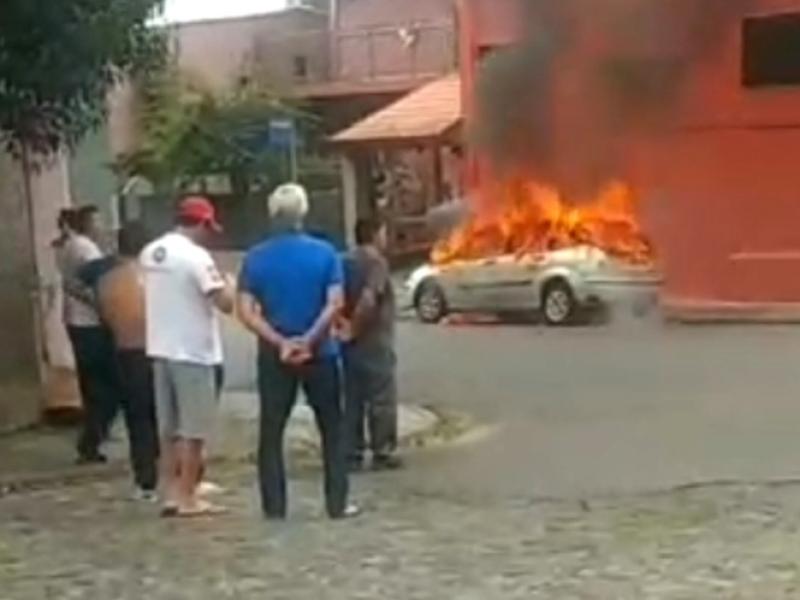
[36, 362]
[50, 187]
[123, 136]
[20, 390]
[220, 52]
[361, 14]
[373, 39]
[91, 181]
[296, 36]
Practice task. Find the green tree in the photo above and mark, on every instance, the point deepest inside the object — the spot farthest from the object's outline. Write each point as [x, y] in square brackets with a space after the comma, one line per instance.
[188, 133]
[58, 60]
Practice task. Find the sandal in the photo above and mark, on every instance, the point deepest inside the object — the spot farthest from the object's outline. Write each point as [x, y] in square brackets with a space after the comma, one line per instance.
[201, 509]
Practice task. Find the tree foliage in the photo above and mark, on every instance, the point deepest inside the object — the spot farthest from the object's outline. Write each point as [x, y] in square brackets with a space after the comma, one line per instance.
[58, 59]
[188, 133]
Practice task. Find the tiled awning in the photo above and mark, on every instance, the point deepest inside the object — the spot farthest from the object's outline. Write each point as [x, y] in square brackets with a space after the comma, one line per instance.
[428, 113]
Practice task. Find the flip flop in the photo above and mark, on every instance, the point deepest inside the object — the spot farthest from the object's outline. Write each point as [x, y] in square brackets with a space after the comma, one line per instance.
[169, 511]
[203, 509]
[207, 488]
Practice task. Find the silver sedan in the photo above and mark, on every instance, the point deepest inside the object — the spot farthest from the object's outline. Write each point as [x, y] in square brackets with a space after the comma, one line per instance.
[561, 285]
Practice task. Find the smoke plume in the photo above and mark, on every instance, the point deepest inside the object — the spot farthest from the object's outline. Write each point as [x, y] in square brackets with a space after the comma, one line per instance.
[588, 75]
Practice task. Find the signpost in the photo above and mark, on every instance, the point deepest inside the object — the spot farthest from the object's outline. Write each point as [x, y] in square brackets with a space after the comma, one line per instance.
[283, 137]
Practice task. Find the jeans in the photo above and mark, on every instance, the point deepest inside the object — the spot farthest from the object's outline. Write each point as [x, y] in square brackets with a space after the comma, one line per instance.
[371, 400]
[138, 405]
[278, 386]
[99, 385]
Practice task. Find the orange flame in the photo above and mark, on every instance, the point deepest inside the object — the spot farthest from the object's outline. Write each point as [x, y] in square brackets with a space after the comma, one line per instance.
[531, 217]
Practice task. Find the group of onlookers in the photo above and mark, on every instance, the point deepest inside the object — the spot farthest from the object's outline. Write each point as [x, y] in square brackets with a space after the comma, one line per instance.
[146, 334]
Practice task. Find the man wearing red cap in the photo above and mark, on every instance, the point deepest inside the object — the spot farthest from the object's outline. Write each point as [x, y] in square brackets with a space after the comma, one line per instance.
[184, 290]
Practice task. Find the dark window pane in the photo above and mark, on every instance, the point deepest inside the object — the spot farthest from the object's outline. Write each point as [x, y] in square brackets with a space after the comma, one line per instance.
[771, 50]
[300, 67]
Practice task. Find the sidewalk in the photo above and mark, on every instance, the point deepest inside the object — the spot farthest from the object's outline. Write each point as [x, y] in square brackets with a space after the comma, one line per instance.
[46, 455]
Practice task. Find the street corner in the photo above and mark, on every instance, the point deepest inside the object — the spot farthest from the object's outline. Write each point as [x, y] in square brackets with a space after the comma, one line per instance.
[431, 427]
[238, 435]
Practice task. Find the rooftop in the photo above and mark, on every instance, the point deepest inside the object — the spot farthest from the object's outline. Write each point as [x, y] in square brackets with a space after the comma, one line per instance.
[428, 112]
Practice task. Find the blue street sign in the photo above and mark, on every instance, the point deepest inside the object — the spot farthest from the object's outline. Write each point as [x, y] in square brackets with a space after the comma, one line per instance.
[282, 134]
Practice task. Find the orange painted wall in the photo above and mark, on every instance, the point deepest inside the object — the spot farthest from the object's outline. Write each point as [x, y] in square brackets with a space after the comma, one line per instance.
[720, 186]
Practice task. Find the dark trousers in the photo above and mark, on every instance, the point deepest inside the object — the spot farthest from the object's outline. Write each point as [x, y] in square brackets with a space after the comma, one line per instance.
[139, 408]
[370, 406]
[278, 386]
[98, 382]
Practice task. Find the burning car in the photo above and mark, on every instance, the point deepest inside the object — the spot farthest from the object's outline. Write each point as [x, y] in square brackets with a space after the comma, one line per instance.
[535, 253]
[562, 285]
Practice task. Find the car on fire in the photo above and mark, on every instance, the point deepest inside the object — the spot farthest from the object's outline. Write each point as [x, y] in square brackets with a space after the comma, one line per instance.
[562, 286]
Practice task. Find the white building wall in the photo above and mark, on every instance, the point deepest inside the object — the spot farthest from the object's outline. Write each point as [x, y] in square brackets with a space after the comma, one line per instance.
[51, 192]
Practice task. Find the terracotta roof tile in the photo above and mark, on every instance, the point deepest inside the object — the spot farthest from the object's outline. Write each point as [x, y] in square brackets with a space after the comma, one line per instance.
[427, 112]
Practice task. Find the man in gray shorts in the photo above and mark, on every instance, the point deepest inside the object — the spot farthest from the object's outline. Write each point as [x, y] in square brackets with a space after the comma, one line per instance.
[186, 399]
[183, 291]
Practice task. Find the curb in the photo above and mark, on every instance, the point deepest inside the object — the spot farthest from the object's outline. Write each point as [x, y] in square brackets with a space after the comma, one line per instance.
[238, 437]
[722, 313]
[236, 443]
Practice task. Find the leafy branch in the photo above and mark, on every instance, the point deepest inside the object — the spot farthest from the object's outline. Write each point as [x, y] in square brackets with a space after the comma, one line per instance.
[59, 59]
[188, 132]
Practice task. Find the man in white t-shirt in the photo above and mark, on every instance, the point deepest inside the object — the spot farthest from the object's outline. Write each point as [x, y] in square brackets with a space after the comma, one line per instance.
[183, 292]
[91, 341]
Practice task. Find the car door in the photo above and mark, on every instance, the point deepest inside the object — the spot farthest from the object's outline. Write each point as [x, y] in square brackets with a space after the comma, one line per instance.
[462, 284]
[515, 287]
[499, 284]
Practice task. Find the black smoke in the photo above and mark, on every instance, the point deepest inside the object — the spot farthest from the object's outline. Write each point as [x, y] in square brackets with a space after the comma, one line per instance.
[588, 74]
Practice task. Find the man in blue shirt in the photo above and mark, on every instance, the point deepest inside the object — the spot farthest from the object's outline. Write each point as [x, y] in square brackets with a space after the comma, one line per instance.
[290, 293]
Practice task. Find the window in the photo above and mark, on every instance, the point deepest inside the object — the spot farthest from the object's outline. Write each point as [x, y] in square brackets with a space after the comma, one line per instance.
[301, 67]
[771, 51]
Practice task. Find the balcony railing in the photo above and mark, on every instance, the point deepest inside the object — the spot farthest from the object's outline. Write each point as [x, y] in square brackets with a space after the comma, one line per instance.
[342, 58]
[411, 52]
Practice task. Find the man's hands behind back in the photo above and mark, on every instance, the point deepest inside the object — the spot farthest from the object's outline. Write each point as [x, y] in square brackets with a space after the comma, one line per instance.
[295, 352]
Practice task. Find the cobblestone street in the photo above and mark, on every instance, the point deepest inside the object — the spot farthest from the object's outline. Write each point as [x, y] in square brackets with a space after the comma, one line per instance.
[588, 487]
[89, 542]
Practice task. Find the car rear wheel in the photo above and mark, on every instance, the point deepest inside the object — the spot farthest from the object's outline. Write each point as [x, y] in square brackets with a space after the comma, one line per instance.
[558, 303]
[430, 302]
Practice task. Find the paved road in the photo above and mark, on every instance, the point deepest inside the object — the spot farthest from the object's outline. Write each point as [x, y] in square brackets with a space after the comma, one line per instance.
[631, 407]
[576, 412]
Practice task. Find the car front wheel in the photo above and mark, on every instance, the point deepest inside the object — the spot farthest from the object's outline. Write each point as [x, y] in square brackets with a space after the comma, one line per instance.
[430, 302]
[558, 303]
